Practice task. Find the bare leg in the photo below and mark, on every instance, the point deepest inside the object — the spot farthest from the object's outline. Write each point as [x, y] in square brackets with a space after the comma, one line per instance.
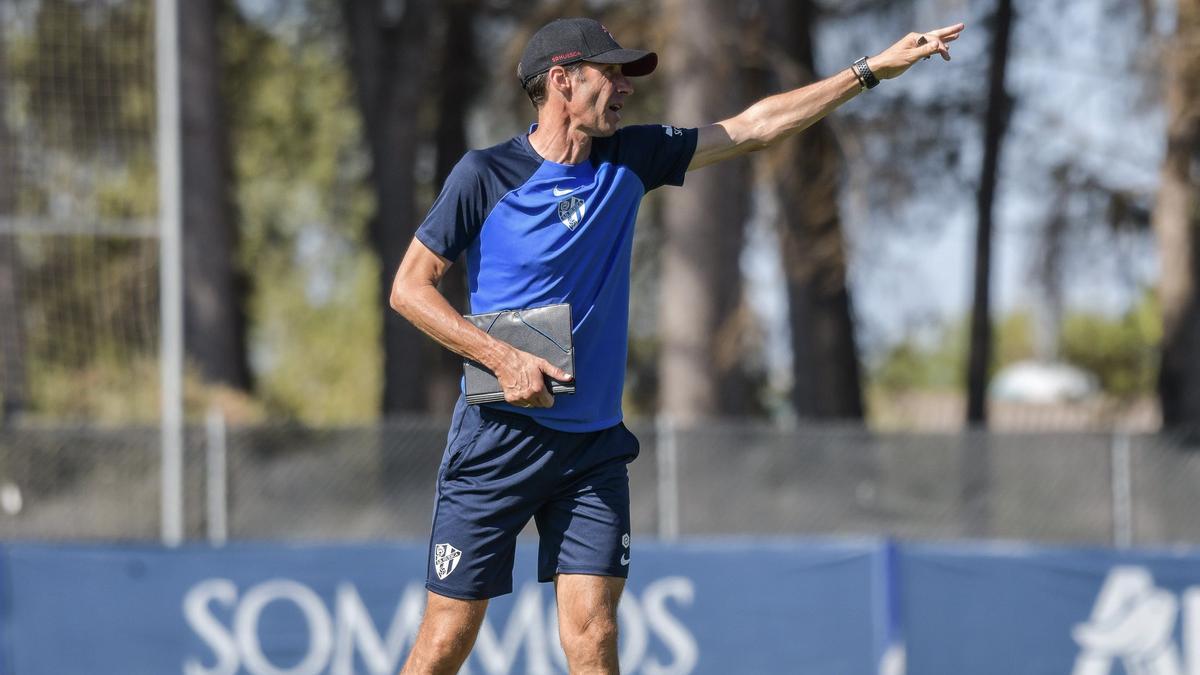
[587, 622]
[447, 633]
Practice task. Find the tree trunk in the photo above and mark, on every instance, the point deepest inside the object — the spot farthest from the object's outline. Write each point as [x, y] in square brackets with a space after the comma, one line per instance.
[1177, 225]
[12, 326]
[388, 53]
[700, 368]
[999, 105]
[805, 173]
[214, 288]
[459, 66]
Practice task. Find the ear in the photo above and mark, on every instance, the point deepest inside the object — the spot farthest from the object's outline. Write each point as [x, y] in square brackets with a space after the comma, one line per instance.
[559, 79]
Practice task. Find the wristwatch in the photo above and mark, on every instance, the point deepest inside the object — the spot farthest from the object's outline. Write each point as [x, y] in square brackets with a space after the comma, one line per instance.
[866, 79]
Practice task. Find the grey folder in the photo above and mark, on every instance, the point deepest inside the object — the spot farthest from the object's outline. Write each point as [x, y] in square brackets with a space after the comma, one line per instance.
[541, 331]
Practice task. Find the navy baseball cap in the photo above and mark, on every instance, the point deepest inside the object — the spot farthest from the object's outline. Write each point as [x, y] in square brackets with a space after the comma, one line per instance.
[564, 41]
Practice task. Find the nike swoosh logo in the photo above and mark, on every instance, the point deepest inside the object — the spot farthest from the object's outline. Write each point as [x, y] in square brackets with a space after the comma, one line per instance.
[624, 560]
[562, 193]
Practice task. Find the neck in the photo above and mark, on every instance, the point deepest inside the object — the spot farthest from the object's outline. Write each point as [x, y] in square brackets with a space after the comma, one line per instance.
[557, 140]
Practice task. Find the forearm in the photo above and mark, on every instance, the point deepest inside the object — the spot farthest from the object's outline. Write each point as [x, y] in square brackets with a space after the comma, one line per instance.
[427, 309]
[777, 117]
[773, 119]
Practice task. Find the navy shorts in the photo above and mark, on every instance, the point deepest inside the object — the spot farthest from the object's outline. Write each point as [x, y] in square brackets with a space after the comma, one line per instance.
[499, 470]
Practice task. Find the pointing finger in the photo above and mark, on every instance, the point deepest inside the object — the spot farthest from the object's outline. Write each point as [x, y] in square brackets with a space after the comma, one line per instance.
[948, 30]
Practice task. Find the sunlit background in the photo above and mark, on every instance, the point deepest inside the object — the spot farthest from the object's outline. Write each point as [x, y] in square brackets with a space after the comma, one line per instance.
[932, 367]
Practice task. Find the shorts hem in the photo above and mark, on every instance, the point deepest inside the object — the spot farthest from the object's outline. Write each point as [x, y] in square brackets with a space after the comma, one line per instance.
[619, 572]
[457, 594]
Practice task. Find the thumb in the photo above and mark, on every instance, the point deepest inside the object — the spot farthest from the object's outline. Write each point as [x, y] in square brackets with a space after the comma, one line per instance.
[554, 371]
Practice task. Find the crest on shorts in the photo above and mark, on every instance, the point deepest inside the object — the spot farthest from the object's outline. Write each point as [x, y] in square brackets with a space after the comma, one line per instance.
[570, 212]
[445, 559]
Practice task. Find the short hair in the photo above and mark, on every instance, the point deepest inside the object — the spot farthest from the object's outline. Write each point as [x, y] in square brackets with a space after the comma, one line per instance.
[535, 87]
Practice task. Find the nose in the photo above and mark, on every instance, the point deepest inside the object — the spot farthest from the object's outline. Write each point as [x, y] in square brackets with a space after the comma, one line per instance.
[624, 84]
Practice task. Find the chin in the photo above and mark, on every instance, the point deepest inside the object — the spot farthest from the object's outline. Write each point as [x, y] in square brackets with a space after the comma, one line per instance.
[602, 130]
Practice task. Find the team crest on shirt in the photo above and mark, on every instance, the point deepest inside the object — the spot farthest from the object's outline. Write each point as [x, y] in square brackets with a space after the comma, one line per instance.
[570, 212]
[445, 559]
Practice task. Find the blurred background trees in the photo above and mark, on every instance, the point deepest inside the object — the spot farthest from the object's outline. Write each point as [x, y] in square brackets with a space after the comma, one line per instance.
[999, 107]
[700, 293]
[389, 47]
[823, 279]
[12, 347]
[214, 317]
[1177, 223]
[805, 177]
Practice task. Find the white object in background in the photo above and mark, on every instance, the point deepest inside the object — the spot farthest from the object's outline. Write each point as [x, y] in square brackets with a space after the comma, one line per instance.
[1043, 382]
[10, 499]
[894, 660]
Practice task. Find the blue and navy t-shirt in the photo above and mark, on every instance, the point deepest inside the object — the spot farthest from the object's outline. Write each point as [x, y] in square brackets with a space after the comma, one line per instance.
[537, 233]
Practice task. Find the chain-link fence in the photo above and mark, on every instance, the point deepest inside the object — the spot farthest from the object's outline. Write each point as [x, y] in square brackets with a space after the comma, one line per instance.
[376, 482]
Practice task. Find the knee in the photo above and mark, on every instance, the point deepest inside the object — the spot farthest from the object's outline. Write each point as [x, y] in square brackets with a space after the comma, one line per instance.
[451, 633]
[446, 636]
[445, 643]
[597, 629]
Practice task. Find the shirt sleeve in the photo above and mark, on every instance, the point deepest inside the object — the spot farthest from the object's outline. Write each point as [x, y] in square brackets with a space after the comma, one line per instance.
[658, 153]
[458, 213]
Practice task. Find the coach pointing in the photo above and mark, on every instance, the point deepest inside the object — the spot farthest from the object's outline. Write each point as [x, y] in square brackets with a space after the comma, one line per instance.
[544, 218]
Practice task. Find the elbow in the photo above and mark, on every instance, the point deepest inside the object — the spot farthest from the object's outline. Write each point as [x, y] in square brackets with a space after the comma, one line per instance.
[400, 299]
[765, 135]
[755, 136]
[754, 145]
[758, 143]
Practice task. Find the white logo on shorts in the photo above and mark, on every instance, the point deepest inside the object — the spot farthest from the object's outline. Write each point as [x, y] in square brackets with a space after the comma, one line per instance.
[625, 543]
[445, 559]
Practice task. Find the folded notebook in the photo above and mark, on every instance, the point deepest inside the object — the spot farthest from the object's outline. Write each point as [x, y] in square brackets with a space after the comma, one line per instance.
[541, 331]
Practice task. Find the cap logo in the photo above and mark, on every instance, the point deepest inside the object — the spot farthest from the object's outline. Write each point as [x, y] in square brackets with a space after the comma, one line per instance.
[568, 55]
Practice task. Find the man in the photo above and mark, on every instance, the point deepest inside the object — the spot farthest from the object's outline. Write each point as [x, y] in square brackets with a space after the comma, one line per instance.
[544, 218]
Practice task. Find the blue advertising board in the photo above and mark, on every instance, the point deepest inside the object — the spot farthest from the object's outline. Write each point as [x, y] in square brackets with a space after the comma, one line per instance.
[699, 607]
[1022, 610]
[729, 607]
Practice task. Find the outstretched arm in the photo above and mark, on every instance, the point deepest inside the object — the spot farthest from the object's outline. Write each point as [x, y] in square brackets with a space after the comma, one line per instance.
[782, 115]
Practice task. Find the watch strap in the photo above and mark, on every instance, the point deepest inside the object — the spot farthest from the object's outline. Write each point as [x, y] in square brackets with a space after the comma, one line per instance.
[862, 71]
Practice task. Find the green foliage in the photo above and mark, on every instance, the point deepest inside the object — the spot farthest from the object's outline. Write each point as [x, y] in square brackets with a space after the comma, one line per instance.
[80, 97]
[1013, 336]
[303, 206]
[1122, 351]
[121, 389]
[108, 388]
[86, 73]
[937, 362]
[79, 108]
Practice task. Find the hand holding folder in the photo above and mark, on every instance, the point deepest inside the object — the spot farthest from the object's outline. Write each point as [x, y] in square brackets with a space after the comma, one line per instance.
[541, 331]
